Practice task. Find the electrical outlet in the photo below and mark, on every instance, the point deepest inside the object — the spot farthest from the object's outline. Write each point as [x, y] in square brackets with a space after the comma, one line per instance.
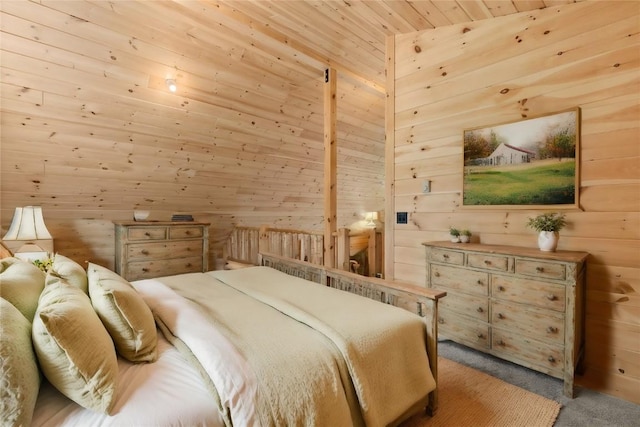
[402, 218]
[426, 186]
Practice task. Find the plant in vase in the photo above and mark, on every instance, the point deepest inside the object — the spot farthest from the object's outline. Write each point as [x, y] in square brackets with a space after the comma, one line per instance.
[548, 226]
[454, 234]
[465, 236]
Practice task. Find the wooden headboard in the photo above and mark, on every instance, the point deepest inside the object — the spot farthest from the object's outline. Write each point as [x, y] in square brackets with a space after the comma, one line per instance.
[418, 300]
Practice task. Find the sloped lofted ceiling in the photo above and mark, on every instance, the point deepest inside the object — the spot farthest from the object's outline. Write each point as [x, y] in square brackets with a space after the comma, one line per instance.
[90, 131]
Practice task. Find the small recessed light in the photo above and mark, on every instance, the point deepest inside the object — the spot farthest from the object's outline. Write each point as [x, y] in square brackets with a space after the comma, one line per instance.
[171, 84]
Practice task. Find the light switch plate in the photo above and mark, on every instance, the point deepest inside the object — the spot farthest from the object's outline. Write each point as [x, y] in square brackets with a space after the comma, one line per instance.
[426, 186]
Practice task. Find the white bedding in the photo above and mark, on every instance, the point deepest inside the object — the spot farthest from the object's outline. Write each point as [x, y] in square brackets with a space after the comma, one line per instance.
[169, 392]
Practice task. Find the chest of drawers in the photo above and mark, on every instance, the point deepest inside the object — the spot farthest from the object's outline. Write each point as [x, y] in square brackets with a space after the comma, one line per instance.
[519, 304]
[152, 249]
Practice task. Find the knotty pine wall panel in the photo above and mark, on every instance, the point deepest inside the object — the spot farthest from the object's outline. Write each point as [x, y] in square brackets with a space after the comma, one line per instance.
[90, 131]
[488, 72]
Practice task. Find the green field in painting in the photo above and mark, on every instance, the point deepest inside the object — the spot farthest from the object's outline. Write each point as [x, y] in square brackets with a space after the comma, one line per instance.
[547, 184]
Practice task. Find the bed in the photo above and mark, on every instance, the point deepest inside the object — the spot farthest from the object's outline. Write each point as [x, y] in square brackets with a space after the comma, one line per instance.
[270, 345]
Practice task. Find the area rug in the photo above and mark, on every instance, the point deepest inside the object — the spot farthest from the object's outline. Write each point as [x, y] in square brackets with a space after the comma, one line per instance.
[468, 397]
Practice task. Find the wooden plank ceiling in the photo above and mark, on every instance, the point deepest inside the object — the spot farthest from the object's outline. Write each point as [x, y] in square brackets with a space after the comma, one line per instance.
[90, 131]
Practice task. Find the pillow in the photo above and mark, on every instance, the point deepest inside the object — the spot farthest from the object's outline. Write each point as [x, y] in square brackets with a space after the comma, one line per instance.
[21, 283]
[124, 313]
[19, 374]
[70, 270]
[74, 349]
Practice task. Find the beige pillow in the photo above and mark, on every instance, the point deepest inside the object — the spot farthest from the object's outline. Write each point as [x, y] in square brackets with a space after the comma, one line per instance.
[124, 313]
[19, 374]
[74, 349]
[21, 283]
[71, 271]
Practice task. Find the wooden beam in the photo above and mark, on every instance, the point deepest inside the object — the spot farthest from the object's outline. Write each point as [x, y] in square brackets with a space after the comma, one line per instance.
[389, 160]
[330, 166]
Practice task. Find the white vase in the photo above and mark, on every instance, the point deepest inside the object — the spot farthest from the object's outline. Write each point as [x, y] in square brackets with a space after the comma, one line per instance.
[464, 238]
[548, 240]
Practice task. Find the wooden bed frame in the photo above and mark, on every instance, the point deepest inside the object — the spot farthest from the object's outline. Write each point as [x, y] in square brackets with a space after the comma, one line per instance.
[421, 301]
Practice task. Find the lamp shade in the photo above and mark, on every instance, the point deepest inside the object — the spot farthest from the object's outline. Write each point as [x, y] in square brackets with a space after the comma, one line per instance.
[27, 228]
[371, 218]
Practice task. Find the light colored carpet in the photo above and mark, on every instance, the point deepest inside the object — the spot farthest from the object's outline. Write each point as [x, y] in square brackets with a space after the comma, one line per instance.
[472, 398]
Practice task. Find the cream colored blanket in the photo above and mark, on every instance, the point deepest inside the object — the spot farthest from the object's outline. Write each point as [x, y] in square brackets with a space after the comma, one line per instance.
[265, 369]
[384, 346]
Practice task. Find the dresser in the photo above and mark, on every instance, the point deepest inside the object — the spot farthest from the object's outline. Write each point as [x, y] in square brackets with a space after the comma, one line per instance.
[146, 249]
[519, 304]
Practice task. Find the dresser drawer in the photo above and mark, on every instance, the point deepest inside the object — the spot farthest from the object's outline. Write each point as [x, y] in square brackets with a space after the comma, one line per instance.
[549, 270]
[185, 232]
[446, 256]
[539, 294]
[164, 250]
[462, 329]
[473, 306]
[147, 233]
[529, 352]
[156, 268]
[475, 282]
[488, 262]
[542, 324]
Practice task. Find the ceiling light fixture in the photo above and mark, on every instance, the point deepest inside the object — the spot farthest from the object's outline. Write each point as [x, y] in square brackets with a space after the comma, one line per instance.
[171, 84]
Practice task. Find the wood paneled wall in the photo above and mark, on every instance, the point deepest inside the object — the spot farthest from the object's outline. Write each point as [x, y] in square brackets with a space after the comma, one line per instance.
[90, 131]
[489, 72]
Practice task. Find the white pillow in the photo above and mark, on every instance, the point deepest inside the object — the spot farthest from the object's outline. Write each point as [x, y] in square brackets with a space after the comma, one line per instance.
[19, 374]
[74, 349]
[69, 270]
[124, 313]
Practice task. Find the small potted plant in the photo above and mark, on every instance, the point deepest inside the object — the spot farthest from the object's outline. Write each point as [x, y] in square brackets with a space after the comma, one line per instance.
[454, 234]
[465, 236]
[548, 226]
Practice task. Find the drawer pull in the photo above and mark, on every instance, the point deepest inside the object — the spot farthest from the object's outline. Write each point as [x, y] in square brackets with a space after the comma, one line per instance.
[551, 359]
[145, 270]
[189, 265]
[436, 274]
[539, 269]
[487, 262]
[440, 320]
[480, 310]
[445, 256]
[480, 335]
[480, 282]
[500, 316]
[144, 252]
[146, 233]
[552, 330]
[552, 297]
[501, 288]
[501, 343]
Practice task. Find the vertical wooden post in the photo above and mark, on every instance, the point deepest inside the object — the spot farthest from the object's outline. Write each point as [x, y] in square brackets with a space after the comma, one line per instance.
[372, 252]
[343, 249]
[330, 166]
[389, 160]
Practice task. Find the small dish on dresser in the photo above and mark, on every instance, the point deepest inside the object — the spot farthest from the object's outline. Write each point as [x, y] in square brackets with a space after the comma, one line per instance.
[140, 215]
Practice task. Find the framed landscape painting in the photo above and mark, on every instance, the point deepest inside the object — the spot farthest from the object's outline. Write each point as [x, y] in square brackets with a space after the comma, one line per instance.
[528, 164]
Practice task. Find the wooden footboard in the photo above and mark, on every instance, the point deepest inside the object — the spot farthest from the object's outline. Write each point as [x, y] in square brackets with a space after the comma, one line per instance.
[418, 300]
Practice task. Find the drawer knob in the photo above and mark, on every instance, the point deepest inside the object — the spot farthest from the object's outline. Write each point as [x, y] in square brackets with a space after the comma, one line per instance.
[189, 265]
[440, 320]
[500, 316]
[501, 343]
[479, 282]
[145, 270]
[480, 310]
[487, 262]
[552, 297]
[551, 359]
[144, 252]
[552, 330]
[539, 269]
[146, 233]
[436, 274]
[501, 288]
[445, 256]
[188, 233]
[480, 335]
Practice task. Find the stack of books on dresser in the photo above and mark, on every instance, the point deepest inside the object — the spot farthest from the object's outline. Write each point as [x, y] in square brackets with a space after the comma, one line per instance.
[182, 218]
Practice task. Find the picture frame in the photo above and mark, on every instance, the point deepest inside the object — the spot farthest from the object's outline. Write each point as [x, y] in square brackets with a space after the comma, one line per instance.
[532, 163]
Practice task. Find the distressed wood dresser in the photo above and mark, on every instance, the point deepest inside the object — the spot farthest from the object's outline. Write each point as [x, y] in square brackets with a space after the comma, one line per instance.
[519, 304]
[152, 249]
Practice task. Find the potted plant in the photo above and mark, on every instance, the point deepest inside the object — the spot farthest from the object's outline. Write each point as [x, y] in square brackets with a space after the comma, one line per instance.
[548, 226]
[465, 236]
[454, 234]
